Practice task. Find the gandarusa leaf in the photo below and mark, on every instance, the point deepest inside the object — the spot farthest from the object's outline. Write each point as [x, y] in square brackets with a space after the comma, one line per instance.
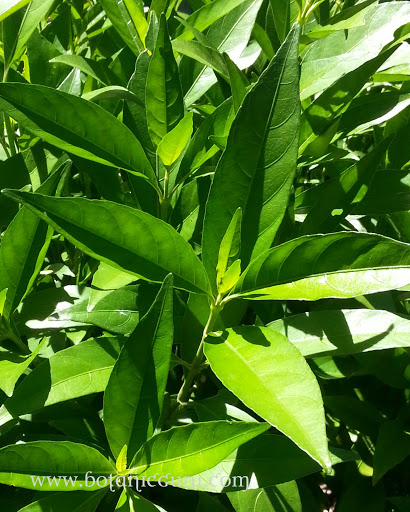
[204, 256]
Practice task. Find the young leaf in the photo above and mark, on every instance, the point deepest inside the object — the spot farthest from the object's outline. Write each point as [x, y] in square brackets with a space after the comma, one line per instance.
[344, 332]
[76, 371]
[341, 265]
[24, 465]
[230, 248]
[126, 238]
[74, 125]
[272, 378]
[135, 392]
[173, 143]
[130, 502]
[164, 100]
[256, 171]
[175, 451]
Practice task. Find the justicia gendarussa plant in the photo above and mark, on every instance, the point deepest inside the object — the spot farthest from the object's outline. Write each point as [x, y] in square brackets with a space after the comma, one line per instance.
[205, 258]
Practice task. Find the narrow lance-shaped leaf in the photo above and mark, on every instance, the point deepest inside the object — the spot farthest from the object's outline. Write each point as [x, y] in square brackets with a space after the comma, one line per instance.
[135, 392]
[229, 251]
[124, 237]
[264, 461]
[257, 168]
[331, 57]
[7, 7]
[35, 12]
[25, 465]
[229, 34]
[204, 17]
[338, 265]
[70, 373]
[23, 249]
[164, 100]
[349, 331]
[188, 450]
[272, 378]
[74, 125]
[173, 143]
[129, 23]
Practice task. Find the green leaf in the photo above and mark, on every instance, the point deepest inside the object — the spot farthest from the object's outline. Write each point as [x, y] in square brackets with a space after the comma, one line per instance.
[25, 465]
[74, 125]
[331, 57]
[392, 447]
[105, 280]
[126, 238]
[230, 248]
[389, 192]
[339, 265]
[272, 378]
[237, 81]
[133, 502]
[317, 121]
[175, 452]
[62, 502]
[332, 200]
[128, 20]
[135, 116]
[164, 100]
[76, 371]
[207, 15]
[7, 7]
[23, 248]
[361, 496]
[266, 460]
[173, 143]
[230, 35]
[202, 53]
[117, 312]
[34, 13]
[12, 368]
[344, 332]
[255, 171]
[92, 68]
[278, 498]
[135, 392]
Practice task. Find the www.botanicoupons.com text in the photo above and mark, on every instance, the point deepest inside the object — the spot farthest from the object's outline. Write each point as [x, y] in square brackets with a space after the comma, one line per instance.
[138, 483]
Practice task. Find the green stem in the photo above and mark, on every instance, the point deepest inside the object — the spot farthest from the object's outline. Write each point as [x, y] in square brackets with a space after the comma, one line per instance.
[18, 342]
[9, 129]
[196, 365]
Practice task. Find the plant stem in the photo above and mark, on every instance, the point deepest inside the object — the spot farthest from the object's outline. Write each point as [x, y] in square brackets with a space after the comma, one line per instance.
[9, 128]
[196, 365]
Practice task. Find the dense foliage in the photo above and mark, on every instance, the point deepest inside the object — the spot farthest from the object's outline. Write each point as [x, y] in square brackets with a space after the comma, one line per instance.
[205, 256]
